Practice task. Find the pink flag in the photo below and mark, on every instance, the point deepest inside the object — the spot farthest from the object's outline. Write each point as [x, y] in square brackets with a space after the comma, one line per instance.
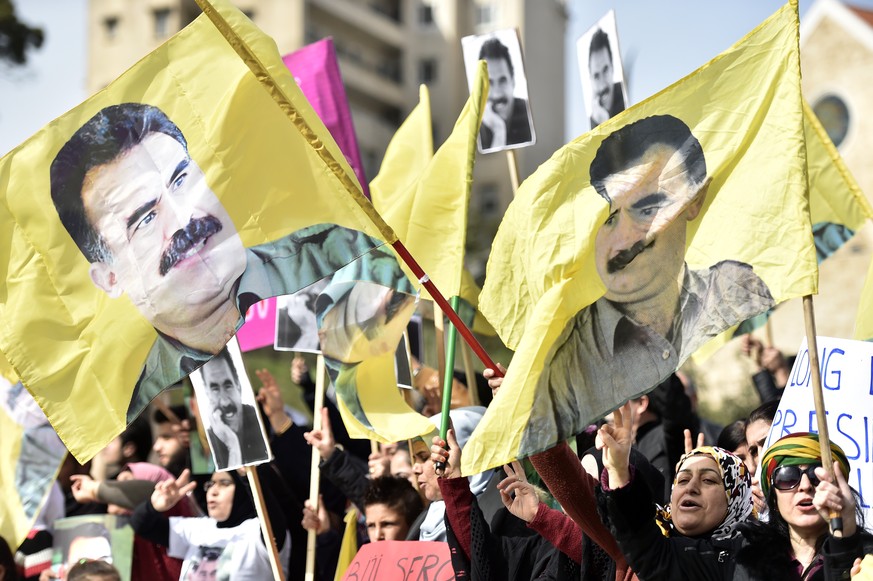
[317, 74]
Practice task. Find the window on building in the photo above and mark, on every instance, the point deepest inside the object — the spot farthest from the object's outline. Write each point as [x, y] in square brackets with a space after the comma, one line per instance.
[110, 25]
[162, 22]
[486, 14]
[834, 116]
[427, 71]
[425, 13]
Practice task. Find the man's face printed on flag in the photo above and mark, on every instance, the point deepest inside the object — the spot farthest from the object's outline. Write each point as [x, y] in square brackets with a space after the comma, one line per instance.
[174, 249]
[640, 249]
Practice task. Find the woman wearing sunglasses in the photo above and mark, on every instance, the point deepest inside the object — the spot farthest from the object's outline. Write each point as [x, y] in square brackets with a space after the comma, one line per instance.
[796, 543]
[706, 534]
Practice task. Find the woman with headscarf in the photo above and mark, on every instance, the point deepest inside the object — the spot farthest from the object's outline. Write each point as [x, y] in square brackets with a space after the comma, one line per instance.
[795, 543]
[431, 526]
[695, 536]
[229, 539]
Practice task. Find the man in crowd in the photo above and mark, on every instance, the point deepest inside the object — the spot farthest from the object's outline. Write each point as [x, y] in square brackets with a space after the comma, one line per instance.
[505, 119]
[656, 311]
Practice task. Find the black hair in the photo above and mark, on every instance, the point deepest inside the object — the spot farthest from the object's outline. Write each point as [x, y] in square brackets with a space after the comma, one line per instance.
[766, 411]
[397, 494]
[88, 570]
[628, 144]
[161, 418]
[224, 355]
[599, 41]
[494, 49]
[138, 433]
[732, 436]
[110, 133]
[7, 561]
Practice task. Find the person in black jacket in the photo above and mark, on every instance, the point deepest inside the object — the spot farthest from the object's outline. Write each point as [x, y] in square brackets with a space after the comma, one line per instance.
[709, 535]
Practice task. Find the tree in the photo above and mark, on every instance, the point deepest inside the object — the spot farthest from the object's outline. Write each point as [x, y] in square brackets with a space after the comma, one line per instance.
[16, 37]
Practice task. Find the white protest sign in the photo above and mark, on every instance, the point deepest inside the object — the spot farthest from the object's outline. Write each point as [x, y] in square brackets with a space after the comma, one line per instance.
[847, 384]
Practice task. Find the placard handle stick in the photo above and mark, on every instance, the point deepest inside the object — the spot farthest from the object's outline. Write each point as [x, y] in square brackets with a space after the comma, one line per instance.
[320, 379]
[513, 169]
[818, 400]
[266, 527]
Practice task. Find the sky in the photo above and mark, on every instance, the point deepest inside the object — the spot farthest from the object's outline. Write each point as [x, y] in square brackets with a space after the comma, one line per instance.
[661, 42]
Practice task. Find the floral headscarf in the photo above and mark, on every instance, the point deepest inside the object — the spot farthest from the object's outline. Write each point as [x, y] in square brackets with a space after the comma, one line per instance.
[798, 449]
[737, 489]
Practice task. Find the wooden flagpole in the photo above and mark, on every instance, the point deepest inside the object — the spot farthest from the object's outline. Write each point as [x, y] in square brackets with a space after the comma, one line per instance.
[266, 527]
[320, 377]
[818, 399]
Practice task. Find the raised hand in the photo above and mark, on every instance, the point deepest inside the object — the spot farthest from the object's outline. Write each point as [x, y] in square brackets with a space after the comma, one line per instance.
[84, 488]
[835, 496]
[322, 439]
[168, 492]
[493, 121]
[615, 441]
[270, 398]
[518, 495]
[494, 382]
[227, 437]
[451, 457]
[689, 445]
[315, 519]
[299, 369]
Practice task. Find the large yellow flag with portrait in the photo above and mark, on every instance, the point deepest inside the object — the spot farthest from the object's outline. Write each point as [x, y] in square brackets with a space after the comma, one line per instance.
[645, 238]
[138, 226]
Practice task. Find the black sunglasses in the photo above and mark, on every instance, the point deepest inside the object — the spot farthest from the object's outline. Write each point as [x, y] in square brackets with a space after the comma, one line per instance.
[788, 477]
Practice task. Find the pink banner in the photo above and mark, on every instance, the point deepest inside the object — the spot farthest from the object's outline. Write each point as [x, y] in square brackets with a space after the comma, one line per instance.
[260, 326]
[401, 560]
[317, 74]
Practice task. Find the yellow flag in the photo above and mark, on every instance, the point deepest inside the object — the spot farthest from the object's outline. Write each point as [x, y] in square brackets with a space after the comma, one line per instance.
[30, 458]
[425, 199]
[419, 211]
[349, 544]
[429, 212]
[140, 224]
[644, 238]
[837, 208]
[407, 156]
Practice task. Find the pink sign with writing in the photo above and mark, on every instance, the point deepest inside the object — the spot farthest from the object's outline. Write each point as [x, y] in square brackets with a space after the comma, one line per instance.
[401, 560]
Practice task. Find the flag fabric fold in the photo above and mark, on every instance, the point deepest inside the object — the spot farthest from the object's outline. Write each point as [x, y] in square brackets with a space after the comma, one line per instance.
[138, 226]
[837, 209]
[645, 238]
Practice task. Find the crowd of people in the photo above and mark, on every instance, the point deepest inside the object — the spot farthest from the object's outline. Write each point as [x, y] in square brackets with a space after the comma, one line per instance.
[633, 497]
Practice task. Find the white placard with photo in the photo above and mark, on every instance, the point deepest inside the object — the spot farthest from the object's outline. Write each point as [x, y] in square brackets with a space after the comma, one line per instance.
[507, 122]
[229, 412]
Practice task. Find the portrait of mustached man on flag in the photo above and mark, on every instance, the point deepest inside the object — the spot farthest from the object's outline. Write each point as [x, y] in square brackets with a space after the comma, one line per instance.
[645, 239]
[141, 211]
[656, 311]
